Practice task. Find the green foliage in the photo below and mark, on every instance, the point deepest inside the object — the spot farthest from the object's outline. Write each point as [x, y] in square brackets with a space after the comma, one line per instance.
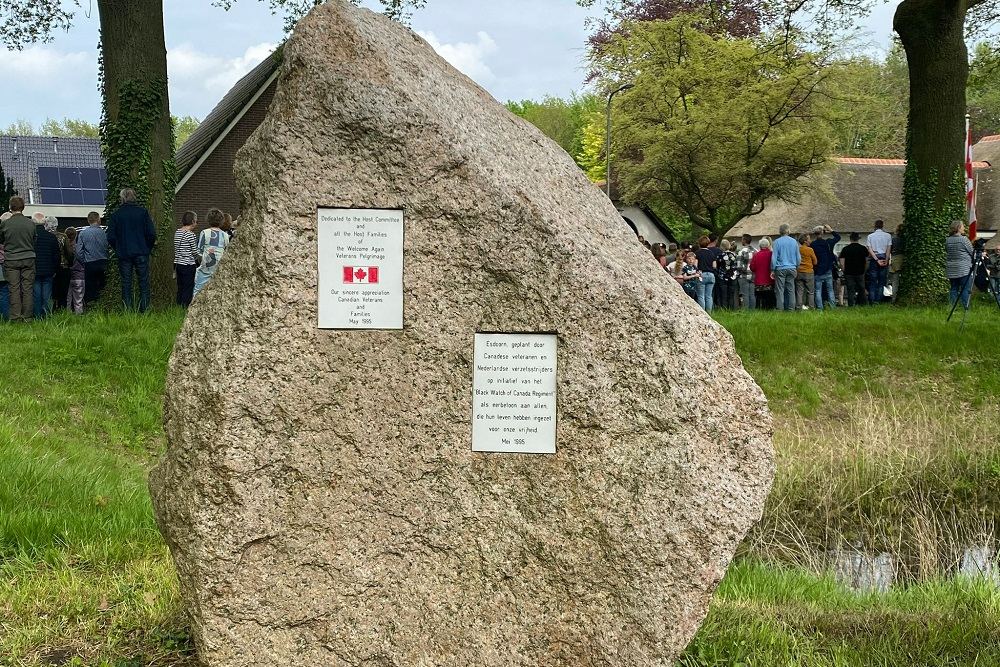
[768, 617]
[984, 90]
[715, 127]
[69, 127]
[184, 127]
[926, 224]
[883, 432]
[126, 140]
[563, 121]
[868, 104]
[20, 128]
[590, 156]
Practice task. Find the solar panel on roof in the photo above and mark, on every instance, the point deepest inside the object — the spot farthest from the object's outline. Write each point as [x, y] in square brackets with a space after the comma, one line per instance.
[72, 186]
[93, 197]
[52, 196]
[69, 178]
[48, 177]
[91, 179]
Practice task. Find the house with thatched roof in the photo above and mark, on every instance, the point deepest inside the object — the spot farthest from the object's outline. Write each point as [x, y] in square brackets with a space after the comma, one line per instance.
[854, 192]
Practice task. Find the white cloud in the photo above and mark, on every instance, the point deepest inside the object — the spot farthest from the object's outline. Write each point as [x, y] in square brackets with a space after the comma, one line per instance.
[195, 72]
[467, 57]
[42, 64]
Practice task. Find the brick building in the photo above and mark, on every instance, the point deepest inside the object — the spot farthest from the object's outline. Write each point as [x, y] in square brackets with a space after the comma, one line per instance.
[205, 161]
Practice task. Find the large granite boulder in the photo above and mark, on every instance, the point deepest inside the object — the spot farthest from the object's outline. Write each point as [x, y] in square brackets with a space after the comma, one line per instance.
[319, 494]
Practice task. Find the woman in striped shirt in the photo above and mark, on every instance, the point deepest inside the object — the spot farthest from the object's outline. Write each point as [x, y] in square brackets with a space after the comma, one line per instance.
[185, 251]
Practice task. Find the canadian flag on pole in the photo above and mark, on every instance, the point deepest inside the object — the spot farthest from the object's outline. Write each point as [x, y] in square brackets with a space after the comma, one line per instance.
[360, 275]
[970, 181]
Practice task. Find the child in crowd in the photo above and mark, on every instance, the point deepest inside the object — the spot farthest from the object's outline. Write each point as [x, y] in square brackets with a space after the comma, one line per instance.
[74, 297]
[690, 276]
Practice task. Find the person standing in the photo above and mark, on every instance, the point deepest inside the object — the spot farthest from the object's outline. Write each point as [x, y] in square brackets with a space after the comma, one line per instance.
[896, 265]
[708, 265]
[805, 297]
[879, 257]
[132, 235]
[74, 292]
[728, 272]
[4, 287]
[60, 284]
[852, 260]
[823, 246]
[17, 236]
[47, 256]
[744, 277]
[993, 271]
[959, 266]
[763, 277]
[785, 260]
[92, 253]
[185, 254]
[212, 244]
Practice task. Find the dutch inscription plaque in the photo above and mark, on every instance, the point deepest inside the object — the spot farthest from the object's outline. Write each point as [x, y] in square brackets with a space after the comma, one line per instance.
[360, 268]
[514, 393]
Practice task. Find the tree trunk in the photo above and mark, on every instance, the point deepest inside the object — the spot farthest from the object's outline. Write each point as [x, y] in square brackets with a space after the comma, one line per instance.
[933, 35]
[136, 131]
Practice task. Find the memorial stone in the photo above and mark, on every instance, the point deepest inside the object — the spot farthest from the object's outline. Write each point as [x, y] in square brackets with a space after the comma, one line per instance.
[324, 494]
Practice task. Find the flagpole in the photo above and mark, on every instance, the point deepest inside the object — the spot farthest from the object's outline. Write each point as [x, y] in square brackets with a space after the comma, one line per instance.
[971, 180]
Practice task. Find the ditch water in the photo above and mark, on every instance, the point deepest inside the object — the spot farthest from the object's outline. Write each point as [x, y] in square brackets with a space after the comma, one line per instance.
[865, 572]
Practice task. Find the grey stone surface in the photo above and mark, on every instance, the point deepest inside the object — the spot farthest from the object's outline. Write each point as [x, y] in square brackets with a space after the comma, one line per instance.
[319, 494]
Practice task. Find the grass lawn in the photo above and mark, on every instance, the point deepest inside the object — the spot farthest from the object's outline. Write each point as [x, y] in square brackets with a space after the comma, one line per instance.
[886, 433]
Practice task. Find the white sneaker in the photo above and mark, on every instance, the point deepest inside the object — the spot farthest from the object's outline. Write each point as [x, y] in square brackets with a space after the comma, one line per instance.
[805, 307]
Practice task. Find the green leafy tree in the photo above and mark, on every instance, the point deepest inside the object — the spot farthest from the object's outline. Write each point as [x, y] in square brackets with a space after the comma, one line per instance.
[137, 134]
[69, 127]
[984, 90]
[933, 35]
[20, 128]
[592, 146]
[868, 105]
[184, 126]
[561, 120]
[715, 127]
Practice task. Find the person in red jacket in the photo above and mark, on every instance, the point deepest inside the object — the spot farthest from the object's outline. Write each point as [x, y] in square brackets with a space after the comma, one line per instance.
[763, 283]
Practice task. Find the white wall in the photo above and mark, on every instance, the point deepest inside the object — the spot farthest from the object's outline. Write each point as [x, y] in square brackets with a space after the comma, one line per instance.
[646, 227]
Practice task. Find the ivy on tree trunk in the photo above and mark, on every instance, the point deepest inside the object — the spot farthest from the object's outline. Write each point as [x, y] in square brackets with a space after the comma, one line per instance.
[136, 130]
[933, 35]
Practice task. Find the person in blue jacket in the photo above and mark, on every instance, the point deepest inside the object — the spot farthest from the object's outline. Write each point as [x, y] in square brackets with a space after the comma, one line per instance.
[825, 241]
[132, 235]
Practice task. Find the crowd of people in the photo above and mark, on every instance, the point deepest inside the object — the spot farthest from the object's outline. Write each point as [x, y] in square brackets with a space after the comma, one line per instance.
[43, 269]
[806, 272]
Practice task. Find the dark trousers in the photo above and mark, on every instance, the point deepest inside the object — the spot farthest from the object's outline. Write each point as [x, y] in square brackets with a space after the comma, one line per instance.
[43, 296]
[854, 288]
[60, 288]
[185, 283]
[877, 277]
[765, 299]
[140, 265]
[94, 279]
[727, 294]
[21, 278]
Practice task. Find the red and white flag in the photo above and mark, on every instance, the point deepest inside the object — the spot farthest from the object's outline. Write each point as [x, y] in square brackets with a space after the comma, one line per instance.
[970, 181]
[360, 275]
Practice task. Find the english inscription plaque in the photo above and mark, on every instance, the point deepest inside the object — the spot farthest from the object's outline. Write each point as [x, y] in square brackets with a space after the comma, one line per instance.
[514, 393]
[360, 268]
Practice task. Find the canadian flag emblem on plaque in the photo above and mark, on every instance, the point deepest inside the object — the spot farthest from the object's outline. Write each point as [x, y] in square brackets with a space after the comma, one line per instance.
[360, 275]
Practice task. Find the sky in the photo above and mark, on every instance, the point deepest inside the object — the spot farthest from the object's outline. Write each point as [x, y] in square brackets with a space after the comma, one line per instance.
[516, 49]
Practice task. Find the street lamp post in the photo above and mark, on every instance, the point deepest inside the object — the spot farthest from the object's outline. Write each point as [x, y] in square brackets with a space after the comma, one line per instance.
[607, 136]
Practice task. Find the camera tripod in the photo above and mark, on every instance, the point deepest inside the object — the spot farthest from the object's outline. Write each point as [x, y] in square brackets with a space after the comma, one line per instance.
[978, 258]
